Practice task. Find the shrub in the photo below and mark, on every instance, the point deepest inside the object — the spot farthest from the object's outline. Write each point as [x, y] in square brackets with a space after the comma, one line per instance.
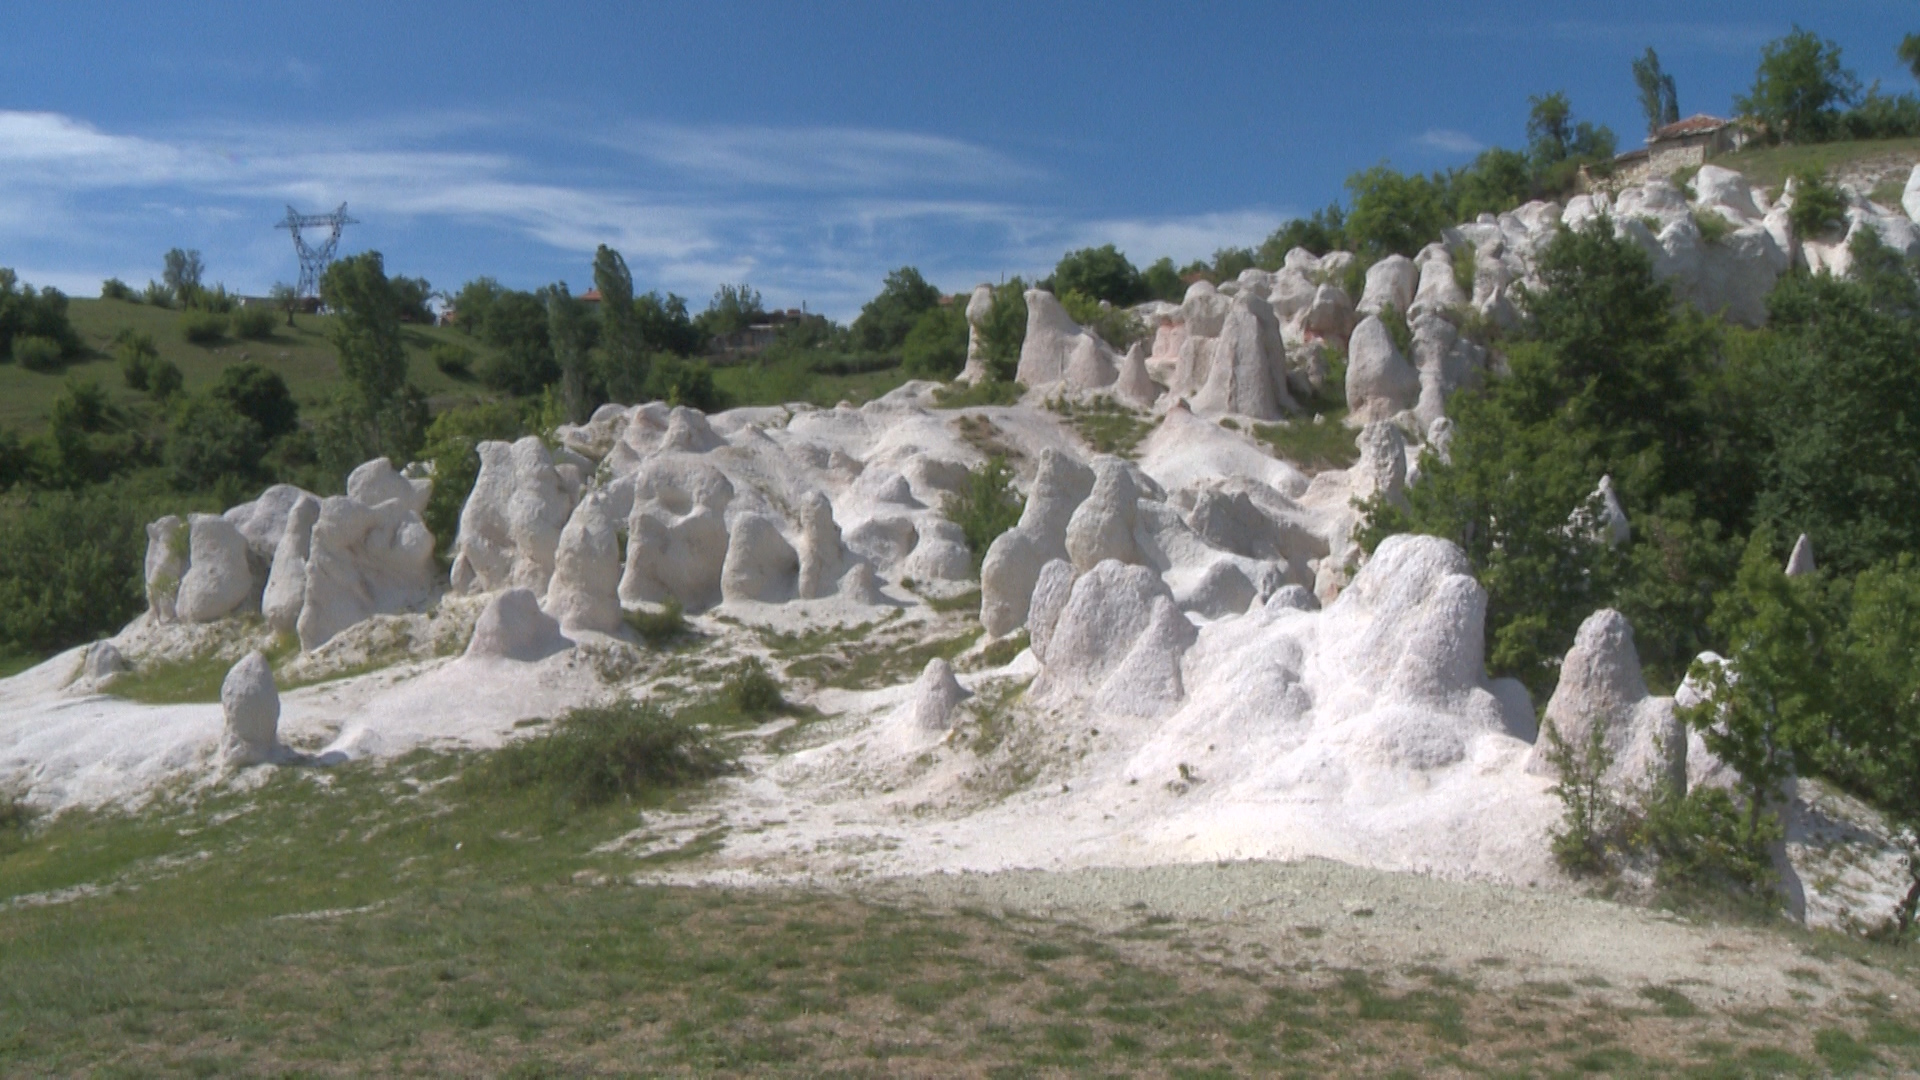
[1466, 264]
[202, 327]
[157, 295]
[986, 507]
[16, 817]
[1713, 227]
[657, 628]
[1590, 814]
[1102, 273]
[164, 379]
[988, 391]
[37, 353]
[1699, 844]
[936, 347]
[260, 395]
[453, 361]
[1116, 326]
[1004, 329]
[752, 691]
[137, 354]
[593, 756]
[1817, 206]
[1396, 323]
[115, 289]
[254, 323]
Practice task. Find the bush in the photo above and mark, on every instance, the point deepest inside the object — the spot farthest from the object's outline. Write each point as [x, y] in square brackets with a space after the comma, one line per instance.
[260, 395]
[37, 353]
[157, 295]
[115, 289]
[988, 391]
[16, 817]
[1713, 227]
[1116, 326]
[1004, 329]
[453, 361]
[254, 323]
[1590, 814]
[593, 756]
[1817, 206]
[202, 327]
[164, 379]
[450, 443]
[936, 347]
[210, 441]
[657, 628]
[986, 507]
[1101, 273]
[752, 691]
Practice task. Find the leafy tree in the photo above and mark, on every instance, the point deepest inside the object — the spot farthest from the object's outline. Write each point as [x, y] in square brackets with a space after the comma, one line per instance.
[1843, 407]
[732, 309]
[886, 319]
[1102, 273]
[25, 312]
[213, 446]
[181, 274]
[1228, 263]
[1394, 213]
[1163, 282]
[1909, 53]
[1557, 146]
[411, 297]
[451, 446]
[1116, 326]
[1658, 98]
[571, 335]
[286, 298]
[1799, 88]
[515, 324]
[1323, 231]
[1496, 182]
[936, 347]
[1004, 329]
[366, 328]
[623, 344]
[1764, 711]
[260, 395]
[115, 289]
[1878, 697]
[666, 326]
[474, 303]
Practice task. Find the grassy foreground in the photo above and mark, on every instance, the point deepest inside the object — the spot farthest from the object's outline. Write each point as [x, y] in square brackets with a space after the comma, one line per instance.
[390, 919]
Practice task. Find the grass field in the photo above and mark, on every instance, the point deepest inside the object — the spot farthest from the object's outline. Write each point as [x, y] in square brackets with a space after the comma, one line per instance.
[376, 919]
[1769, 166]
[303, 355]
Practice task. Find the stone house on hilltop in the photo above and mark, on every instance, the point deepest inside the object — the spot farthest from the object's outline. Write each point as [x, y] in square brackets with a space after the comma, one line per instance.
[1684, 144]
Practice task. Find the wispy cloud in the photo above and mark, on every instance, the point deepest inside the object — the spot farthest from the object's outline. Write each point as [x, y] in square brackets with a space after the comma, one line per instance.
[822, 157]
[1449, 141]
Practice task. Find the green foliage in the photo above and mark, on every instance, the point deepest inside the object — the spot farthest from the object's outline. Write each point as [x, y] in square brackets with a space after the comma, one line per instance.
[1799, 88]
[1466, 263]
[732, 309]
[36, 353]
[454, 361]
[164, 379]
[592, 756]
[659, 628]
[202, 327]
[886, 319]
[1909, 54]
[571, 335]
[1701, 845]
[260, 395]
[286, 299]
[986, 507]
[366, 329]
[1818, 207]
[514, 323]
[1320, 233]
[209, 441]
[1101, 273]
[1713, 226]
[623, 345]
[115, 289]
[1108, 426]
[752, 691]
[1004, 330]
[1590, 815]
[26, 313]
[137, 354]
[1658, 99]
[1116, 326]
[1162, 282]
[987, 391]
[182, 272]
[253, 323]
[1558, 146]
[936, 347]
[1394, 213]
[451, 442]
[1313, 445]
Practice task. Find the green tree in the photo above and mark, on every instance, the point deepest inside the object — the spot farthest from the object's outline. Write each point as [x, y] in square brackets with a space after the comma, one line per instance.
[212, 446]
[1658, 98]
[1799, 88]
[623, 344]
[1394, 213]
[570, 334]
[732, 309]
[886, 319]
[936, 347]
[181, 274]
[1163, 282]
[1319, 233]
[451, 446]
[29, 313]
[1497, 181]
[666, 326]
[1004, 329]
[1102, 273]
[286, 298]
[515, 324]
[1878, 698]
[1909, 53]
[366, 326]
[1557, 146]
[260, 395]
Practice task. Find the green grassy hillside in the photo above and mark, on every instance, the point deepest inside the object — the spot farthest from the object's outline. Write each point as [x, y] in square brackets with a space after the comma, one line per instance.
[302, 354]
[1771, 165]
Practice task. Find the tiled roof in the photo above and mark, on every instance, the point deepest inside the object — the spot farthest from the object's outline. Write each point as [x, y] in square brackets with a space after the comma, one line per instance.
[1692, 125]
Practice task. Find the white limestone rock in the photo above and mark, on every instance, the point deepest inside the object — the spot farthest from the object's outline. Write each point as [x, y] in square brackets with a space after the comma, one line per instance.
[1102, 526]
[1800, 563]
[102, 663]
[940, 552]
[512, 627]
[760, 564]
[1382, 468]
[1910, 198]
[377, 481]
[824, 559]
[1107, 610]
[979, 306]
[510, 527]
[1057, 350]
[1247, 372]
[935, 696]
[1445, 361]
[1050, 595]
[862, 586]
[218, 581]
[166, 565]
[585, 590]
[1380, 381]
[1135, 386]
[1601, 688]
[1439, 291]
[1147, 683]
[1391, 283]
[286, 591]
[1014, 559]
[250, 704]
[363, 561]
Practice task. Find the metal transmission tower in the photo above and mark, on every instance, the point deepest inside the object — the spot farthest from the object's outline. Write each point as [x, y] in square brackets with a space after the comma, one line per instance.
[314, 259]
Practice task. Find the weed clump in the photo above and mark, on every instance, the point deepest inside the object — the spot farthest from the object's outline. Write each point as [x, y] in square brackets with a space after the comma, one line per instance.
[986, 507]
[658, 628]
[15, 818]
[988, 391]
[752, 691]
[593, 756]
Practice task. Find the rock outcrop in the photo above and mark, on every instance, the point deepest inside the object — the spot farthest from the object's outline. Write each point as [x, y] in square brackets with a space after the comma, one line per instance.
[250, 703]
[1602, 697]
[512, 627]
[510, 528]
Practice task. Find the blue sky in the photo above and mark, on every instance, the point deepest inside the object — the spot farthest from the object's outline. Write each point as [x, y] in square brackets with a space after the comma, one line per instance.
[804, 148]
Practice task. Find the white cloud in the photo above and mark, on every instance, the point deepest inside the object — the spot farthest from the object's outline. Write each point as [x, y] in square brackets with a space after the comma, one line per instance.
[823, 157]
[1449, 141]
